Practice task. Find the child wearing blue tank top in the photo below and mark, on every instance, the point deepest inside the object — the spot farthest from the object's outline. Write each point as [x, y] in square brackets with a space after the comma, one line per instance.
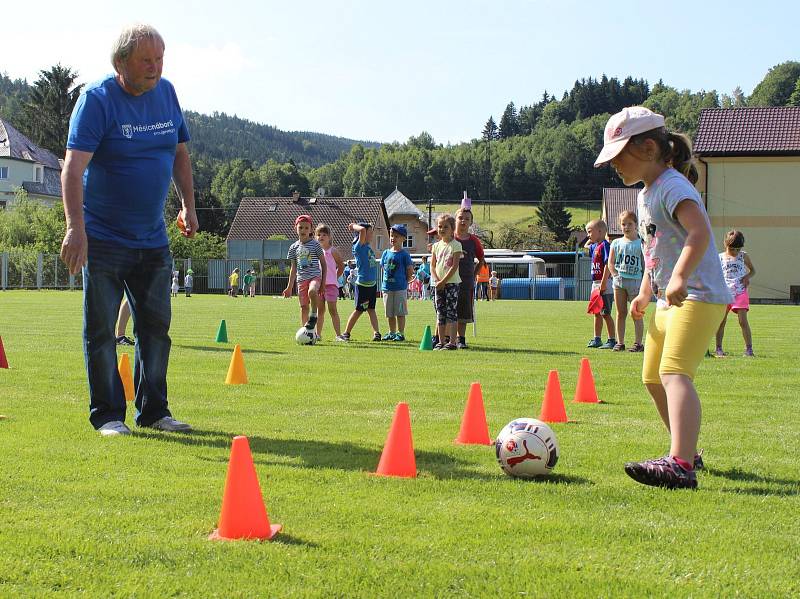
[626, 266]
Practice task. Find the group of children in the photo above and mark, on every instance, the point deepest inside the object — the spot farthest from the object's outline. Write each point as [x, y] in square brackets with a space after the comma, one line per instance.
[451, 274]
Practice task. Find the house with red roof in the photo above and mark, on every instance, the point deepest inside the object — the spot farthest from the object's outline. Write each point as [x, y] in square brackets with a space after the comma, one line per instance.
[749, 163]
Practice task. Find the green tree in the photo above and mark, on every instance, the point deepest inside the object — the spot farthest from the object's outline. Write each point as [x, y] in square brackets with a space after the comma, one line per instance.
[777, 86]
[31, 225]
[509, 122]
[202, 246]
[552, 214]
[49, 105]
[794, 99]
[489, 130]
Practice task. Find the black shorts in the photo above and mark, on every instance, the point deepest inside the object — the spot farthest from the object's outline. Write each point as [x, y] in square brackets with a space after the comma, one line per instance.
[466, 302]
[366, 297]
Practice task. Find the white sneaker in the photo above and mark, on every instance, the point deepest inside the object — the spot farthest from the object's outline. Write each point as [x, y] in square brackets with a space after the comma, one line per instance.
[169, 424]
[115, 427]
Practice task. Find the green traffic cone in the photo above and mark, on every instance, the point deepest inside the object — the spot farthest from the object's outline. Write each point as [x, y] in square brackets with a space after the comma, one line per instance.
[426, 344]
[222, 332]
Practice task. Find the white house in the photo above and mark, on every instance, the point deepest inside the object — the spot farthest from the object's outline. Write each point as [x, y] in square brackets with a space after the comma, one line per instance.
[25, 165]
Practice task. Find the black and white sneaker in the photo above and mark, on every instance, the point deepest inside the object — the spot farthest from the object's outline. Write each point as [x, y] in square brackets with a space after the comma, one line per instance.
[462, 343]
[312, 322]
[123, 340]
[662, 472]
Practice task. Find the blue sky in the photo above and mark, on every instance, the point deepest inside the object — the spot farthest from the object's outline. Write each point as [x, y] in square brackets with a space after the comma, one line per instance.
[387, 70]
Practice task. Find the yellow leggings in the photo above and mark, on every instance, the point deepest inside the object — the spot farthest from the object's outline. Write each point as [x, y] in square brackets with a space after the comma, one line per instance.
[677, 339]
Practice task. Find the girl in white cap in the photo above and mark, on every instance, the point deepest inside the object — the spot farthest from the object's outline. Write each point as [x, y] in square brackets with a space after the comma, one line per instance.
[682, 270]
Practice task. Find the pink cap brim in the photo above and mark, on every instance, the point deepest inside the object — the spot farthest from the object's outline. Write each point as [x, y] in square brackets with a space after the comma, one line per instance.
[609, 151]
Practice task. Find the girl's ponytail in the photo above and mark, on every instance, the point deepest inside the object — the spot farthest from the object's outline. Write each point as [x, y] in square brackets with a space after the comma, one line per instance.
[681, 156]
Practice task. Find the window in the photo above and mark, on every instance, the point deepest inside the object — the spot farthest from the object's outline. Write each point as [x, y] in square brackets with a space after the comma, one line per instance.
[409, 242]
[38, 173]
[3, 172]
[378, 242]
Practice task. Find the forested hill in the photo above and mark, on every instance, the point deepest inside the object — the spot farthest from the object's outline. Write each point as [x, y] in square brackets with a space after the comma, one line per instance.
[221, 137]
[218, 137]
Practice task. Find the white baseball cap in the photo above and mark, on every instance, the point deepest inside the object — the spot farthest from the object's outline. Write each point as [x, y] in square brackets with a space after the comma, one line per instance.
[624, 125]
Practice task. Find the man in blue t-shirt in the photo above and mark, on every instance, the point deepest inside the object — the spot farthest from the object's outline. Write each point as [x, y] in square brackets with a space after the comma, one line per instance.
[127, 142]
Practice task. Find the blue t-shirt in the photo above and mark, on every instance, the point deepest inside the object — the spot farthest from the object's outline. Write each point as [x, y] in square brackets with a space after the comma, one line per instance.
[599, 254]
[628, 258]
[395, 265]
[366, 264]
[133, 140]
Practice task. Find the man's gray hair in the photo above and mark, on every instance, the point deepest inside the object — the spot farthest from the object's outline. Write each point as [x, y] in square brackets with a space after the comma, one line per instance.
[128, 40]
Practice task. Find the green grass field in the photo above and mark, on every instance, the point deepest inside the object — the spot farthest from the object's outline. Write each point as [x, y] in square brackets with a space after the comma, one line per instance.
[129, 516]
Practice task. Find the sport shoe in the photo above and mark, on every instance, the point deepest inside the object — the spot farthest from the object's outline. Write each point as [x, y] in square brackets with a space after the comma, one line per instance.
[636, 347]
[123, 340]
[609, 344]
[595, 342]
[388, 337]
[344, 337]
[438, 347]
[169, 424]
[312, 322]
[748, 353]
[719, 353]
[661, 472]
[698, 461]
[115, 427]
[618, 347]
[435, 340]
[377, 337]
[399, 337]
[450, 346]
[462, 343]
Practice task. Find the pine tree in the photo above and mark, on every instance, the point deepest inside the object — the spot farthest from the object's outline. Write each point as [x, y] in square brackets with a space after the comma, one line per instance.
[48, 108]
[551, 212]
[489, 130]
[509, 122]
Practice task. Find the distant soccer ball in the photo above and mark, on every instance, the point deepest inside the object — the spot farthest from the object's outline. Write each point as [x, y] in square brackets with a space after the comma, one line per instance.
[305, 336]
[526, 448]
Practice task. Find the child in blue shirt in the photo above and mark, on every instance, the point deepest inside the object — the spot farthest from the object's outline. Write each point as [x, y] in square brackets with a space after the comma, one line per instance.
[599, 248]
[366, 287]
[398, 268]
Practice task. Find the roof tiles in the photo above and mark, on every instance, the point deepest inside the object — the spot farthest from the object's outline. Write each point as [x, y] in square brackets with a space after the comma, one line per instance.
[752, 131]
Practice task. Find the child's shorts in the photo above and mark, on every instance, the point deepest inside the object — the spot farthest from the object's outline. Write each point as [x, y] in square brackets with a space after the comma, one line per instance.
[608, 299]
[395, 303]
[740, 302]
[466, 304]
[677, 339]
[447, 303]
[631, 286]
[366, 296]
[331, 292]
[302, 290]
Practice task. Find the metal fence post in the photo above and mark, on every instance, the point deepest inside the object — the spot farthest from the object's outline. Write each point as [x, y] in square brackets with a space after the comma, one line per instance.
[4, 270]
[39, 268]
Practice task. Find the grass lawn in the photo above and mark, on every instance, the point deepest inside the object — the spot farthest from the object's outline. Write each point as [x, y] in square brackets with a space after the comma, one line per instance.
[129, 516]
[516, 215]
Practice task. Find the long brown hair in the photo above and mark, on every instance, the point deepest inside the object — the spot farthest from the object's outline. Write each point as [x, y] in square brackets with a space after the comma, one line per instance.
[675, 149]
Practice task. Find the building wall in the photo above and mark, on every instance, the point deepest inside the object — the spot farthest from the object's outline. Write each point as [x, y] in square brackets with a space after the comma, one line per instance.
[19, 171]
[761, 197]
[417, 230]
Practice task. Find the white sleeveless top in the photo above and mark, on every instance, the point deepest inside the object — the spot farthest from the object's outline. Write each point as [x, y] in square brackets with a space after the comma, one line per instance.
[734, 270]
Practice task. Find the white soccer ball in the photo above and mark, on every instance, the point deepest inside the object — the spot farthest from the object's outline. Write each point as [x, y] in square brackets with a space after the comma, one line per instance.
[526, 448]
[305, 336]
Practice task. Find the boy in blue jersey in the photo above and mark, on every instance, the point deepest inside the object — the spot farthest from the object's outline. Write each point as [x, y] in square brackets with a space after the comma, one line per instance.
[398, 268]
[599, 248]
[366, 287]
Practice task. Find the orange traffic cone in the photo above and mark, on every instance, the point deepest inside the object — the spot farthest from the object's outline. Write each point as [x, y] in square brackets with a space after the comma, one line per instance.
[398, 458]
[553, 404]
[474, 430]
[3, 360]
[237, 375]
[126, 376]
[585, 391]
[243, 514]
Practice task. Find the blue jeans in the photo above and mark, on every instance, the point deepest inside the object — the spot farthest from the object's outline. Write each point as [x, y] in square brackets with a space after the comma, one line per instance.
[144, 276]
